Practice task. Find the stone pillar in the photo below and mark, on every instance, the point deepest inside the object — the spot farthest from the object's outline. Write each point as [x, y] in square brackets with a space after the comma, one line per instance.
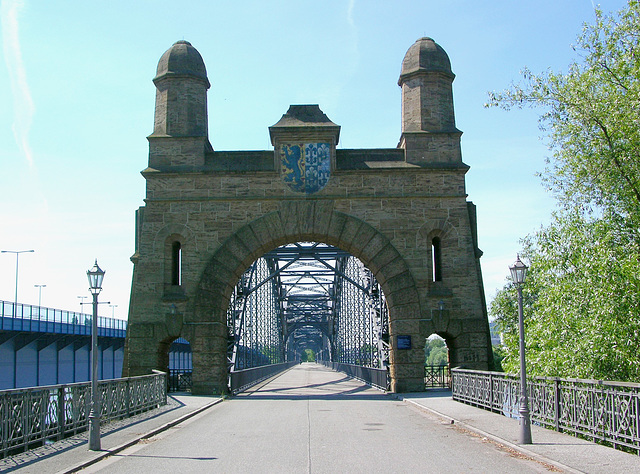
[209, 352]
[141, 358]
[407, 350]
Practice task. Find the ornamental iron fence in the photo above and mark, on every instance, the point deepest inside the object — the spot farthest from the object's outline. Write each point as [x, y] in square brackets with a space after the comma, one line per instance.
[437, 376]
[378, 378]
[603, 411]
[179, 380]
[31, 417]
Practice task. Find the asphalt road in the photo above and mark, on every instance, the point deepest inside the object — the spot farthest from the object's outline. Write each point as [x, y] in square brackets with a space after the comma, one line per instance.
[314, 420]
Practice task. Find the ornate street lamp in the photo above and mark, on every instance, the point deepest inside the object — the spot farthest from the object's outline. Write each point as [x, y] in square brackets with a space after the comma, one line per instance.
[95, 275]
[518, 275]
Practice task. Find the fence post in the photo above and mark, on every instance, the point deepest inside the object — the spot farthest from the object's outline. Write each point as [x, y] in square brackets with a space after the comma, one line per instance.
[491, 391]
[62, 413]
[637, 425]
[128, 396]
[164, 388]
[556, 402]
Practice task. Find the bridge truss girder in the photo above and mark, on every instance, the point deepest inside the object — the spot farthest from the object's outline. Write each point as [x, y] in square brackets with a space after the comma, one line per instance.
[307, 296]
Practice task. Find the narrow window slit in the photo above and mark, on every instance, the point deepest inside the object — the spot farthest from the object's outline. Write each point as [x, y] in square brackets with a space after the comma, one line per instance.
[436, 259]
[176, 264]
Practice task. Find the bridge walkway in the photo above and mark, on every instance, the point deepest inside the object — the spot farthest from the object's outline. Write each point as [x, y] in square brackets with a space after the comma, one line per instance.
[311, 419]
[314, 420]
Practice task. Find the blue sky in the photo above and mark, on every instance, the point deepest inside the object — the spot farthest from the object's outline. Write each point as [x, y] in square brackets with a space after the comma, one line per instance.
[77, 102]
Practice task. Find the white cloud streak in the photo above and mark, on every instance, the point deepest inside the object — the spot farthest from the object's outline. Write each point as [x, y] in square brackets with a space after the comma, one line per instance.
[22, 103]
[352, 4]
[354, 35]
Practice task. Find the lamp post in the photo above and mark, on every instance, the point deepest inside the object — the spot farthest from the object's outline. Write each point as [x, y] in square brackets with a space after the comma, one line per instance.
[95, 275]
[113, 310]
[40, 287]
[17, 252]
[518, 274]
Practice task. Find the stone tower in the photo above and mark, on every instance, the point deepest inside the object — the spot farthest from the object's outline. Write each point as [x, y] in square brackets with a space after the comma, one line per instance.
[209, 214]
[181, 109]
[429, 133]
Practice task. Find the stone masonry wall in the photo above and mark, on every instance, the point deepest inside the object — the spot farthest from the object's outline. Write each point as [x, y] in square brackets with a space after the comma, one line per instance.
[405, 207]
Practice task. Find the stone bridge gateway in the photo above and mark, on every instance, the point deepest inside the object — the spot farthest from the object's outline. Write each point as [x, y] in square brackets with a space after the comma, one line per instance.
[209, 214]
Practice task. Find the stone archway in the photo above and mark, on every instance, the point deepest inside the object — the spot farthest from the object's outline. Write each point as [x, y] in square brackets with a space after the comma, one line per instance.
[295, 221]
[209, 214]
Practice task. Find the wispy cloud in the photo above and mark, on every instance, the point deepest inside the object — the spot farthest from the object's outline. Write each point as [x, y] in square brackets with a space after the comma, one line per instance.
[354, 33]
[352, 4]
[22, 103]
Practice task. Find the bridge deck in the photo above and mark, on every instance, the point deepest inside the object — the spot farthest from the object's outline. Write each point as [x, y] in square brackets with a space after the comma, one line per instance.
[311, 419]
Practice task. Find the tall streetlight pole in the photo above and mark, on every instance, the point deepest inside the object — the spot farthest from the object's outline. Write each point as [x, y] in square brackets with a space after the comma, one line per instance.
[113, 310]
[95, 275]
[81, 303]
[518, 274]
[17, 252]
[39, 287]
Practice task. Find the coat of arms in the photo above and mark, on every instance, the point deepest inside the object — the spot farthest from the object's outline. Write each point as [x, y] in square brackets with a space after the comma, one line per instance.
[306, 166]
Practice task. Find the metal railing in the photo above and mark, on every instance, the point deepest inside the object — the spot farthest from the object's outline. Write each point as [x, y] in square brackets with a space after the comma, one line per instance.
[24, 317]
[437, 376]
[243, 379]
[602, 411]
[378, 378]
[179, 380]
[30, 417]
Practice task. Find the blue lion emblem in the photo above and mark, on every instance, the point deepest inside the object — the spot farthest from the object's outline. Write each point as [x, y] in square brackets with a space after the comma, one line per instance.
[306, 167]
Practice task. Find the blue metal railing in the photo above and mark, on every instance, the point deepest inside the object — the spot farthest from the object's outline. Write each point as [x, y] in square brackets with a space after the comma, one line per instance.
[28, 318]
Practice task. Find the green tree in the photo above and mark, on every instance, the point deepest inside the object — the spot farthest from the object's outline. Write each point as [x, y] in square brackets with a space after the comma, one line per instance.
[582, 295]
[581, 304]
[436, 352]
[498, 356]
[308, 356]
[592, 119]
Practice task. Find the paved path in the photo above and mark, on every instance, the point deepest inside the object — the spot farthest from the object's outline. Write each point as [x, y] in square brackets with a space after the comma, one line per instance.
[314, 420]
[71, 454]
[310, 419]
[568, 453]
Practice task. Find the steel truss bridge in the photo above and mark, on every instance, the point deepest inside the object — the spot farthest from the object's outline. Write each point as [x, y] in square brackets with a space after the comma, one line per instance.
[303, 296]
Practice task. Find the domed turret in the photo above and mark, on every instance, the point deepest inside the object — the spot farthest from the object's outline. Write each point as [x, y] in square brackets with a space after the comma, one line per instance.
[429, 133]
[425, 55]
[181, 107]
[181, 99]
[182, 59]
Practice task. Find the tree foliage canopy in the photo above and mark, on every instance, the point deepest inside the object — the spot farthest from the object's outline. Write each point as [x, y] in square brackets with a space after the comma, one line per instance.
[436, 352]
[592, 116]
[582, 294]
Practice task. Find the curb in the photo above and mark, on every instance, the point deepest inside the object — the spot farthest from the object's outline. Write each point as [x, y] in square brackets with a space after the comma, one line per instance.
[516, 447]
[137, 439]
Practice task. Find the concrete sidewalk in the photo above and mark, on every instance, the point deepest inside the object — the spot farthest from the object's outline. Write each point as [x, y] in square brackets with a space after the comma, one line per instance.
[72, 454]
[562, 451]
